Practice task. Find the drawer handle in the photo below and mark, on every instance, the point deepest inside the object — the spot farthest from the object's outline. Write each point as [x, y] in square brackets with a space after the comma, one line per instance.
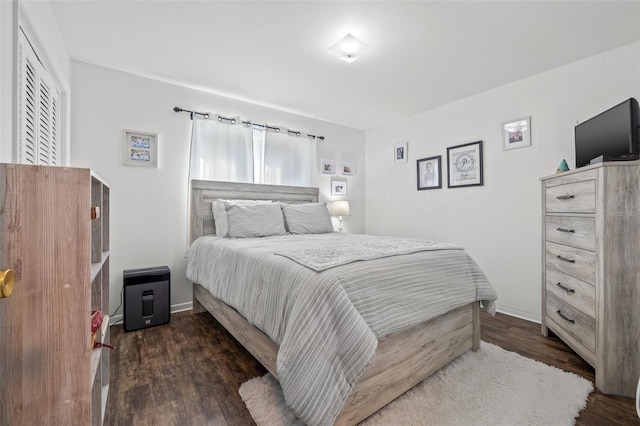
[565, 197]
[567, 289]
[565, 259]
[573, 231]
[559, 312]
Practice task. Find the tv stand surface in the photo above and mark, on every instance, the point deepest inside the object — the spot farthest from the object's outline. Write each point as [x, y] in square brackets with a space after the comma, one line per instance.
[607, 158]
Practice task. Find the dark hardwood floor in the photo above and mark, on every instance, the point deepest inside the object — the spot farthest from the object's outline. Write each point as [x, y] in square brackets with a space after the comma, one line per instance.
[188, 372]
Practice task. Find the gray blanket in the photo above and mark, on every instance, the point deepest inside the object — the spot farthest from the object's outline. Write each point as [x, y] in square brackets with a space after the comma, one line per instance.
[327, 323]
[326, 254]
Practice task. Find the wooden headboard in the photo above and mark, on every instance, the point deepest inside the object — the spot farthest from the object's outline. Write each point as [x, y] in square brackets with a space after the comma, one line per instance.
[204, 192]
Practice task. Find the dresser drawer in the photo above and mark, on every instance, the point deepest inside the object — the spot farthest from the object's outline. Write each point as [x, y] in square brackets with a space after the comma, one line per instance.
[575, 197]
[579, 325]
[573, 231]
[575, 293]
[572, 261]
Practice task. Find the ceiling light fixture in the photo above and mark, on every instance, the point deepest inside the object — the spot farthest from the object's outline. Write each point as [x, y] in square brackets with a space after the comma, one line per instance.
[349, 48]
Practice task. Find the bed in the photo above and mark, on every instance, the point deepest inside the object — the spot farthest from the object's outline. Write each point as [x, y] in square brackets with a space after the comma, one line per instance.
[395, 360]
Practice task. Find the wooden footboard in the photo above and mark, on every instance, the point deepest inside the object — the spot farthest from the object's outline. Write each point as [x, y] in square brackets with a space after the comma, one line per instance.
[402, 360]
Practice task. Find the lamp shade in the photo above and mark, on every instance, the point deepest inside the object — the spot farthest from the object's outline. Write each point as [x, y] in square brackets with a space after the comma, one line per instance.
[339, 208]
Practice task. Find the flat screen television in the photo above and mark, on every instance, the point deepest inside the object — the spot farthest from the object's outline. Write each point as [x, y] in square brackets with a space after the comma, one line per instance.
[611, 135]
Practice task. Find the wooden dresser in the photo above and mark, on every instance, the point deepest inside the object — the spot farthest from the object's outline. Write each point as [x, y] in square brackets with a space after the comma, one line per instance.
[54, 236]
[591, 268]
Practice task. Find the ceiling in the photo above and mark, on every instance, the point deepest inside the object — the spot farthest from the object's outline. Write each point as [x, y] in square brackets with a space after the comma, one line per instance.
[426, 53]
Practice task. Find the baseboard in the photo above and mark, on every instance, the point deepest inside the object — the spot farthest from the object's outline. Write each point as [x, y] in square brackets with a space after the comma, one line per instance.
[115, 319]
[517, 314]
[181, 307]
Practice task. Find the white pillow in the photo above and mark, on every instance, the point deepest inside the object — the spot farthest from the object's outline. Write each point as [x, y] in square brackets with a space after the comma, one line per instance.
[311, 218]
[219, 208]
[255, 220]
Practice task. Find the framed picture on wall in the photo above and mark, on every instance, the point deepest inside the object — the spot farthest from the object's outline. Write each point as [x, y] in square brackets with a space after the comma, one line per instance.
[328, 167]
[140, 148]
[465, 165]
[429, 173]
[338, 188]
[516, 134]
[400, 152]
[347, 168]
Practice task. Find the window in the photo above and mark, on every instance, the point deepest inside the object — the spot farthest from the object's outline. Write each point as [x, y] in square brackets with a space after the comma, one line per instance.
[237, 152]
[38, 109]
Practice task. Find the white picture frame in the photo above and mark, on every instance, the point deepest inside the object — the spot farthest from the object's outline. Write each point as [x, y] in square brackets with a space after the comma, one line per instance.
[328, 167]
[516, 134]
[347, 168]
[140, 148]
[401, 152]
[338, 188]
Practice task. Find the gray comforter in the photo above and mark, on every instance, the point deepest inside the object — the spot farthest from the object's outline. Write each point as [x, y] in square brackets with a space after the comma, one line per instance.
[327, 323]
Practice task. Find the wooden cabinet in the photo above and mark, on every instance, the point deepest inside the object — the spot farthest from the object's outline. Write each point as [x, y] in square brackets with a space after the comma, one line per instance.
[591, 269]
[54, 234]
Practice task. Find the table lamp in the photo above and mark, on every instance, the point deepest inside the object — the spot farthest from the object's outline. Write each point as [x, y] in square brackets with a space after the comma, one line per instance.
[339, 208]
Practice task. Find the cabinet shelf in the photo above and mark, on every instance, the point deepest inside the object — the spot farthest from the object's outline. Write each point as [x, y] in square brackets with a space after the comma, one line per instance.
[96, 267]
[96, 354]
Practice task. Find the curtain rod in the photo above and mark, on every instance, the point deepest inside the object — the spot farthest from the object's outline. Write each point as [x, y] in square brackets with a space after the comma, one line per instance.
[233, 121]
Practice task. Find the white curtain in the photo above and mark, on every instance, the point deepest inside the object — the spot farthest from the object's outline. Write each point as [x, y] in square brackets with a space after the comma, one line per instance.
[235, 152]
[221, 150]
[288, 159]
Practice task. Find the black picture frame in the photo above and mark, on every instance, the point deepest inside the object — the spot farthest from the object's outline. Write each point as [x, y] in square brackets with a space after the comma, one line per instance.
[429, 173]
[464, 165]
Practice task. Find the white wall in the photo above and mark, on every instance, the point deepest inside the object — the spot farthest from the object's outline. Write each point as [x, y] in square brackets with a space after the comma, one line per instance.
[148, 206]
[498, 223]
[7, 103]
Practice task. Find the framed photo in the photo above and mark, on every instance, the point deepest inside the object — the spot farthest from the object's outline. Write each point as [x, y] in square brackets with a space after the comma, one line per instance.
[328, 167]
[400, 152]
[338, 188]
[429, 173]
[348, 168]
[465, 165]
[140, 148]
[516, 134]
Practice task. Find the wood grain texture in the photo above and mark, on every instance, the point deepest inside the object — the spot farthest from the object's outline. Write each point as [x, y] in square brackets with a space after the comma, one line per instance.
[611, 265]
[45, 333]
[402, 360]
[577, 197]
[581, 263]
[188, 372]
[618, 355]
[581, 326]
[580, 295]
[574, 231]
[405, 359]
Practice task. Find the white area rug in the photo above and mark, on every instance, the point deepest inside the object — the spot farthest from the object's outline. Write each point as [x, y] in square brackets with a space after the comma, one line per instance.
[488, 387]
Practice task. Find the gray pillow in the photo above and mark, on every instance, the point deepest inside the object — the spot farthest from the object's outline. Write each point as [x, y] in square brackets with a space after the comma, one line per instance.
[312, 218]
[255, 220]
[220, 207]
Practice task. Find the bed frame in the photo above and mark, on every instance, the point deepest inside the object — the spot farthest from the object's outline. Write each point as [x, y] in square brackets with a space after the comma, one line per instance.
[402, 359]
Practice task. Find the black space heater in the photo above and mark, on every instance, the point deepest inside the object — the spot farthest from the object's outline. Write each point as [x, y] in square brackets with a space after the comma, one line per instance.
[147, 294]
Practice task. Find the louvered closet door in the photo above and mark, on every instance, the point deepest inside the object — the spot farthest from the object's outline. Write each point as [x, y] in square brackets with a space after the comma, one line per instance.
[38, 110]
[47, 122]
